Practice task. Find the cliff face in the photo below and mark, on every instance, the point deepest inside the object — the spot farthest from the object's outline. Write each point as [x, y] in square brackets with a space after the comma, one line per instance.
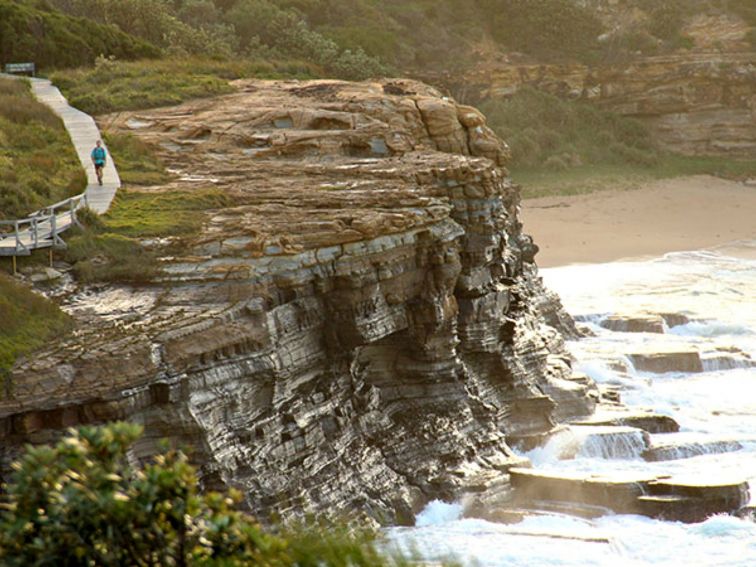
[694, 103]
[364, 330]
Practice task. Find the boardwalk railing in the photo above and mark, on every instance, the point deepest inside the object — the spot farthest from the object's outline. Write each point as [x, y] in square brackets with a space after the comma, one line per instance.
[41, 229]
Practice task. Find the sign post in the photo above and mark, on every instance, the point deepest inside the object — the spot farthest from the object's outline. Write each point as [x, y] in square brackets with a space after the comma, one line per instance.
[20, 69]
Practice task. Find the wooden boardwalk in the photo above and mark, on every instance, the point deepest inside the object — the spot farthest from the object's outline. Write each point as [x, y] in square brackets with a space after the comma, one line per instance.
[42, 229]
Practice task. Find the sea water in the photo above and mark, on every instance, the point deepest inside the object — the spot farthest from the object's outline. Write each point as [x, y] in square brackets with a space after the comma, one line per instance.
[716, 291]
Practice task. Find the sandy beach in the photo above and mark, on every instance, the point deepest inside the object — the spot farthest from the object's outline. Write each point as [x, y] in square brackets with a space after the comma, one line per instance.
[686, 213]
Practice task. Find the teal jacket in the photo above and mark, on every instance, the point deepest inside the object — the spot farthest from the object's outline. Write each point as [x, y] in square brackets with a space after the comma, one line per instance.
[98, 155]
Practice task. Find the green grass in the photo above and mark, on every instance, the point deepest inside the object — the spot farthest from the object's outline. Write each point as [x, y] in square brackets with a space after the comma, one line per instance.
[109, 258]
[28, 321]
[115, 85]
[110, 249]
[137, 214]
[542, 182]
[135, 160]
[38, 164]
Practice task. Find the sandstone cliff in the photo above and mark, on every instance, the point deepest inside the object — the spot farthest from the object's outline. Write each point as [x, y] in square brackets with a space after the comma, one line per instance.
[364, 330]
[694, 103]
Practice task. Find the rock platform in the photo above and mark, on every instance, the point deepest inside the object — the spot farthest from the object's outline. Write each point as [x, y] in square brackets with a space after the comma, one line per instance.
[686, 500]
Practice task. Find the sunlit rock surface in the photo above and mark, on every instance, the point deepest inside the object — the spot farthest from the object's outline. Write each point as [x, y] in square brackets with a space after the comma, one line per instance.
[362, 330]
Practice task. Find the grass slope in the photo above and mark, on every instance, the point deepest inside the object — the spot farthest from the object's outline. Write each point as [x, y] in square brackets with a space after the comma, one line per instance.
[38, 164]
[111, 248]
[116, 85]
[28, 321]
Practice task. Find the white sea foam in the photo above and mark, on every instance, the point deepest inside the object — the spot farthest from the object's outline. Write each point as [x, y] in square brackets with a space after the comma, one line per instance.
[716, 292]
[437, 513]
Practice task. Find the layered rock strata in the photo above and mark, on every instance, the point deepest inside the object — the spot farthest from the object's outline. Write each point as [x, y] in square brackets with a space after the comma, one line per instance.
[363, 330]
[695, 103]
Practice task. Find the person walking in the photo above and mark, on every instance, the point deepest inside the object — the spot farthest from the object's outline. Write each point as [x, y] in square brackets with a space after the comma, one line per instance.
[99, 156]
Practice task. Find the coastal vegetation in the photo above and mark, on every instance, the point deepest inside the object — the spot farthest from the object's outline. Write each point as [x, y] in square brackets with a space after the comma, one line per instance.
[568, 147]
[32, 30]
[111, 247]
[351, 39]
[28, 321]
[135, 160]
[113, 85]
[38, 165]
[83, 502]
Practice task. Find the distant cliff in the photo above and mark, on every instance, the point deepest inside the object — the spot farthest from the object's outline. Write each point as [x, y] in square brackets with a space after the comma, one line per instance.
[694, 103]
[364, 330]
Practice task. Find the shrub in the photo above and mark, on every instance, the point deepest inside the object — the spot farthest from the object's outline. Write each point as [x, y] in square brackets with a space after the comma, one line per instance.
[81, 502]
[52, 39]
[543, 129]
[288, 33]
[545, 28]
[556, 163]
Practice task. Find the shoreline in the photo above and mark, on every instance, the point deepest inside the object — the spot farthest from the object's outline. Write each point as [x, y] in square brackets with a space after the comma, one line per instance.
[669, 215]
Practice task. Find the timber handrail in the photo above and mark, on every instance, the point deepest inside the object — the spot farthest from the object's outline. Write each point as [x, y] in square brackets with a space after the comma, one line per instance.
[42, 229]
[43, 221]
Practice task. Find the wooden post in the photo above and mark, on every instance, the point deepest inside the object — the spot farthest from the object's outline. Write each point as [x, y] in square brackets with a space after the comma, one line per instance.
[51, 256]
[14, 265]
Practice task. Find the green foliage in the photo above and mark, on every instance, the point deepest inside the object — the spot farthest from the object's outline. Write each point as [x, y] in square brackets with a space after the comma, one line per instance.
[135, 160]
[28, 321]
[157, 22]
[30, 31]
[562, 147]
[544, 130]
[117, 85]
[350, 39]
[545, 28]
[81, 502]
[289, 34]
[38, 164]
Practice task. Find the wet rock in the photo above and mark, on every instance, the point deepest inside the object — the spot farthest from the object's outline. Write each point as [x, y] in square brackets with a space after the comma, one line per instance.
[692, 500]
[619, 492]
[45, 275]
[647, 421]
[631, 493]
[726, 358]
[675, 319]
[746, 513]
[669, 361]
[685, 450]
[634, 323]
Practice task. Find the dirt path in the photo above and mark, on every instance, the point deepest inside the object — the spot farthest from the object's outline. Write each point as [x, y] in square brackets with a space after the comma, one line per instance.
[686, 213]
